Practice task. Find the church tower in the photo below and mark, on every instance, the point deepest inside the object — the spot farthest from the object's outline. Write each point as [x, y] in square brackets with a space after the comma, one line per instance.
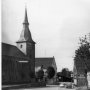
[26, 43]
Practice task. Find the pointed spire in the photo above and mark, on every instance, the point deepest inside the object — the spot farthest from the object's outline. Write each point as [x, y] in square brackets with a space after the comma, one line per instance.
[25, 34]
[26, 17]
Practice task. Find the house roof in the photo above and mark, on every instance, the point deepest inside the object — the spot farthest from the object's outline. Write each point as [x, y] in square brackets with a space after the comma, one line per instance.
[46, 62]
[11, 50]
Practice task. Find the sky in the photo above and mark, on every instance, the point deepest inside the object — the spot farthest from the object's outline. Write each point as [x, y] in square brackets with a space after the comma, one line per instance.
[55, 25]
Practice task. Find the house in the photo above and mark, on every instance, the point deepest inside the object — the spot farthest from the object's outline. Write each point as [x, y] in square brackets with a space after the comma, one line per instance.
[81, 68]
[46, 62]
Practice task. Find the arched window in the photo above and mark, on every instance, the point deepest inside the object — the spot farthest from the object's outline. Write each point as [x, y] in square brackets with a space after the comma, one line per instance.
[21, 46]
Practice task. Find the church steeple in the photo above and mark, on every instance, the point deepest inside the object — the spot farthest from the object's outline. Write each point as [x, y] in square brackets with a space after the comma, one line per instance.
[25, 34]
[26, 18]
[26, 44]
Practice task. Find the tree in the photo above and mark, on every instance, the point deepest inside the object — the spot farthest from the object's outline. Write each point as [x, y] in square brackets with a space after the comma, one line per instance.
[82, 54]
[64, 72]
[66, 75]
[40, 74]
[50, 72]
[58, 76]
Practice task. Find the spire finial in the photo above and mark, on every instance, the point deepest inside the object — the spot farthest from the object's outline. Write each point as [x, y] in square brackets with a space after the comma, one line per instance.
[26, 17]
[25, 6]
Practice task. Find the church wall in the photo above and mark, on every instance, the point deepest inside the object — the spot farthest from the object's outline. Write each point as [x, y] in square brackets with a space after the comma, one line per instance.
[14, 71]
[9, 70]
[22, 47]
[31, 55]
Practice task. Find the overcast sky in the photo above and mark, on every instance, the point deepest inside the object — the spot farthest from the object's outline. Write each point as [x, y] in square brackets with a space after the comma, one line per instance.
[55, 25]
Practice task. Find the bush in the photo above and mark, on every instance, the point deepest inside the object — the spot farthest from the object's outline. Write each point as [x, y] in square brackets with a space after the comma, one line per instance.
[40, 74]
[50, 72]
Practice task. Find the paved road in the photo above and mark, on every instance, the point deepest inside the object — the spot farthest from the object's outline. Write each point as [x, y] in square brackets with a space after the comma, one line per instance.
[18, 87]
[44, 88]
[50, 88]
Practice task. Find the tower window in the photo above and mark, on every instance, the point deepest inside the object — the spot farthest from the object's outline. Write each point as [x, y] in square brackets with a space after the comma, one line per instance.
[21, 46]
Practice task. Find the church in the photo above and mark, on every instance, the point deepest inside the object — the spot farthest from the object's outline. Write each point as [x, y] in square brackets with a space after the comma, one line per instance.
[18, 62]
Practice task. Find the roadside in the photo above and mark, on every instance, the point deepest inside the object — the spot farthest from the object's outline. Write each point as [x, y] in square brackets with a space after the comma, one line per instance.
[82, 88]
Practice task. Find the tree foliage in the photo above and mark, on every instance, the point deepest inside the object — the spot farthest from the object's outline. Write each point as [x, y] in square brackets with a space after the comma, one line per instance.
[65, 75]
[40, 74]
[50, 72]
[65, 72]
[82, 54]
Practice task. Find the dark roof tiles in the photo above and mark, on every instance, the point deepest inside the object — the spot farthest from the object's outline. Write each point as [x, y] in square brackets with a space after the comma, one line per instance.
[11, 50]
[46, 62]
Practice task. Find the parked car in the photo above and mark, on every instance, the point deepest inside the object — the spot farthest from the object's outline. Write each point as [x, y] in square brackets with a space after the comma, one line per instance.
[69, 85]
[62, 85]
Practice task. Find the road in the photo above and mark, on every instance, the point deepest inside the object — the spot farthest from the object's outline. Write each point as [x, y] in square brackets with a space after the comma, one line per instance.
[42, 88]
[50, 88]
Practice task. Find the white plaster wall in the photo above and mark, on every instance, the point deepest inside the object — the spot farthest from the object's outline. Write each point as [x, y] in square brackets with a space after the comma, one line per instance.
[23, 49]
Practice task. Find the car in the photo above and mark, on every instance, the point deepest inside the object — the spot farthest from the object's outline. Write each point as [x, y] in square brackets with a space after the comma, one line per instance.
[62, 85]
[69, 85]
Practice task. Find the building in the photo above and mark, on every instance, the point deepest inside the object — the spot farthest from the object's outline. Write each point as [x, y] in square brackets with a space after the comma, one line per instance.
[19, 62]
[46, 62]
[80, 70]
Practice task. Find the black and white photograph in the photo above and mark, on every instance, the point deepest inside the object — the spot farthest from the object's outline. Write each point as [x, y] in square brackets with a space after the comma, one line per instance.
[45, 44]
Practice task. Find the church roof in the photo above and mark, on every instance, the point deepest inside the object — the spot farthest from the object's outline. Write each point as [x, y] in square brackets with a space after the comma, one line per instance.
[46, 62]
[25, 34]
[11, 50]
